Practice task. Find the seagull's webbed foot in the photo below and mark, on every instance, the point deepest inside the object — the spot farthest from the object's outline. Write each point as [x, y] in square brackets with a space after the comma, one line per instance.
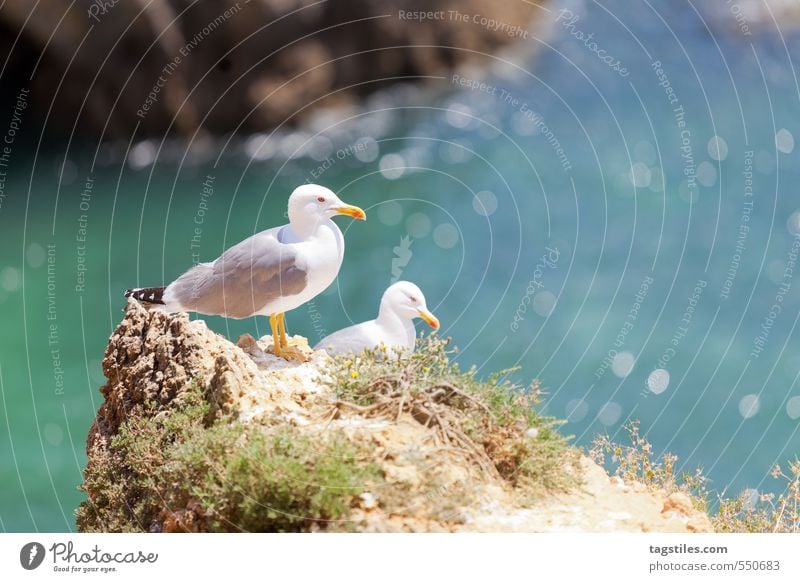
[282, 346]
[290, 352]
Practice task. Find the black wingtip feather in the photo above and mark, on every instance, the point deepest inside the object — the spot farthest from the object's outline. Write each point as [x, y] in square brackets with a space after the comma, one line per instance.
[147, 294]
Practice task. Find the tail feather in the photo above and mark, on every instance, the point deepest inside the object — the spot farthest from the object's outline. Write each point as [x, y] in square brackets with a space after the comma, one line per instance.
[154, 295]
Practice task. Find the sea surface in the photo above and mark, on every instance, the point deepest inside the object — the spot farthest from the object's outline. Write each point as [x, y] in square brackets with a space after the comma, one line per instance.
[612, 207]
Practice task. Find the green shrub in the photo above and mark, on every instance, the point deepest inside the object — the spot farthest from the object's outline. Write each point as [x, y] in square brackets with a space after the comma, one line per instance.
[172, 471]
[278, 481]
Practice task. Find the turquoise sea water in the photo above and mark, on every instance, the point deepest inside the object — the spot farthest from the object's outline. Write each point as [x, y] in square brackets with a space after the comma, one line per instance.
[627, 238]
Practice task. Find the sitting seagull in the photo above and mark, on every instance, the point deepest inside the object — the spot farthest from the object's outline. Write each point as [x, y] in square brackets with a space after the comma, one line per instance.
[400, 304]
[269, 273]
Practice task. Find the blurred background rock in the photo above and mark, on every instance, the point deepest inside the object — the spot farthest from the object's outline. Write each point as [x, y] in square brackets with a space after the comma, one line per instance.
[272, 62]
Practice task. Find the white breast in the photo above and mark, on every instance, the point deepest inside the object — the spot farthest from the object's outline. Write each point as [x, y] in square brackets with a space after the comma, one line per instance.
[320, 256]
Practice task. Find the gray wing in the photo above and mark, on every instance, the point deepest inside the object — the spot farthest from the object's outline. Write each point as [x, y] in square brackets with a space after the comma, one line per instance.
[246, 278]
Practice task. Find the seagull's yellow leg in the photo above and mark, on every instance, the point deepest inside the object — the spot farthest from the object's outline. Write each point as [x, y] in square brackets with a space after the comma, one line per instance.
[282, 329]
[288, 351]
[274, 324]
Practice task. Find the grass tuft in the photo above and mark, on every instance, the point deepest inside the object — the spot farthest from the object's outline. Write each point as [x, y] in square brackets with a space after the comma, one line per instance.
[635, 462]
[764, 513]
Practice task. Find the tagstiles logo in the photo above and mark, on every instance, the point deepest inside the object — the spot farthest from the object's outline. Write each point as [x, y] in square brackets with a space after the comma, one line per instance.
[31, 555]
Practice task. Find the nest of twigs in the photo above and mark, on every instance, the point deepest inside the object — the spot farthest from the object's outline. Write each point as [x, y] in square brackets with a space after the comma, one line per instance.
[492, 422]
[441, 407]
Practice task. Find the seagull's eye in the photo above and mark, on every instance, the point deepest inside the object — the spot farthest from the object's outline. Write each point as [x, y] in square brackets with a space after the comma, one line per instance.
[413, 299]
[321, 199]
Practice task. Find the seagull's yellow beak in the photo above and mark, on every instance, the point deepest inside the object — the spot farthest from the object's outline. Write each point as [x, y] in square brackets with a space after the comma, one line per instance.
[429, 318]
[351, 211]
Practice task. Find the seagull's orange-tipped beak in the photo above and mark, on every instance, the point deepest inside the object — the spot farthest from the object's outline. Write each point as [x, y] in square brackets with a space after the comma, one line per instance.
[351, 211]
[429, 318]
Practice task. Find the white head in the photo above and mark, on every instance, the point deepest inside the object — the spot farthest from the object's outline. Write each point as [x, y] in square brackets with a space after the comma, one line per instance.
[407, 301]
[310, 205]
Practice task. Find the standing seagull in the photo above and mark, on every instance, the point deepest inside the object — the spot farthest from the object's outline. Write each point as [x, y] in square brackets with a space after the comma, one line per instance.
[269, 273]
[400, 304]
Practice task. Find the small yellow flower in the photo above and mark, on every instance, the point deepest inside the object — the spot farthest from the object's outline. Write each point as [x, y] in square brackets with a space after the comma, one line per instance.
[426, 369]
[354, 374]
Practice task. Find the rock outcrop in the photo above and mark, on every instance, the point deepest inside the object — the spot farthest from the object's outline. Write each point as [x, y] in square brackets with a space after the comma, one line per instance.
[153, 65]
[379, 474]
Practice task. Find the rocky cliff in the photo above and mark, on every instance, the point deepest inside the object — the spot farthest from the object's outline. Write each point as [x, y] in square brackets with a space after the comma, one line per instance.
[198, 434]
